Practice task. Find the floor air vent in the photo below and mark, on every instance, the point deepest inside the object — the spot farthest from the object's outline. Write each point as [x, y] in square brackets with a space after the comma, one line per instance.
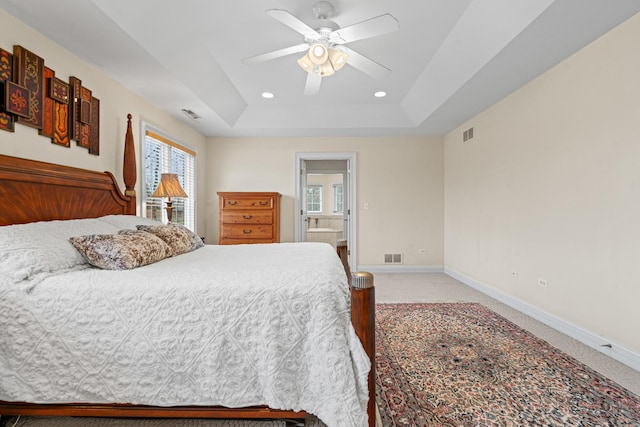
[393, 258]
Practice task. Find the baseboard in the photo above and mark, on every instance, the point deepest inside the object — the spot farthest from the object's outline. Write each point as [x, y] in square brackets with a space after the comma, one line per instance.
[597, 342]
[400, 268]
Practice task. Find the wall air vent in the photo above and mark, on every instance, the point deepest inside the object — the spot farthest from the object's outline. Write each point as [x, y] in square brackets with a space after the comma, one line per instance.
[467, 135]
[393, 258]
[189, 113]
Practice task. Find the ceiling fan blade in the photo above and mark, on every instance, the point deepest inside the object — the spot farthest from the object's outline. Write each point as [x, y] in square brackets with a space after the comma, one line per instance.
[312, 86]
[292, 22]
[276, 54]
[373, 27]
[366, 65]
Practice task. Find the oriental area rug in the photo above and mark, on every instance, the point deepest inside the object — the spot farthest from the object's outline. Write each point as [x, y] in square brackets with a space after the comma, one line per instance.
[461, 364]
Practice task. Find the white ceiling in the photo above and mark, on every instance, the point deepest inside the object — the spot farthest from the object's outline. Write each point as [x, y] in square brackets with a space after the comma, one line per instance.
[449, 61]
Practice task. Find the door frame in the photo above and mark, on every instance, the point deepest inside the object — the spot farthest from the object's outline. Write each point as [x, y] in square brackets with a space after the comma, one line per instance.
[352, 228]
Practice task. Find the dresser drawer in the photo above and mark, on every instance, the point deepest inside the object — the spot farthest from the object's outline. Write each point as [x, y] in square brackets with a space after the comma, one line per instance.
[249, 231]
[247, 217]
[252, 203]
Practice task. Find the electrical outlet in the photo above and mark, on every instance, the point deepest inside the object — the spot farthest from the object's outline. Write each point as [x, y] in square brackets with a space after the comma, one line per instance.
[422, 251]
[542, 282]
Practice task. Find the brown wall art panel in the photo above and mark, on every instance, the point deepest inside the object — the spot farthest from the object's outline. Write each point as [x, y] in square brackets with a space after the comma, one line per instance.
[94, 138]
[47, 107]
[74, 123]
[28, 71]
[84, 116]
[6, 73]
[16, 99]
[59, 92]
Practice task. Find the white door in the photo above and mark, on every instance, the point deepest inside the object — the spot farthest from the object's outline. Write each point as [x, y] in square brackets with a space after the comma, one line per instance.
[349, 198]
[303, 217]
[346, 208]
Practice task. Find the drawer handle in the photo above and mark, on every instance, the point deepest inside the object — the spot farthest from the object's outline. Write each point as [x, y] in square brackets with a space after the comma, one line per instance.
[246, 216]
[265, 203]
[232, 202]
[246, 231]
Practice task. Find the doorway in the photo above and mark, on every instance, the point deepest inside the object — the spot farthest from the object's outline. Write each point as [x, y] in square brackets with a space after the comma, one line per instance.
[325, 199]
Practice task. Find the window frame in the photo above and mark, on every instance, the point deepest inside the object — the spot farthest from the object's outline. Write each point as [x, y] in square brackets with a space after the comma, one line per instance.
[184, 209]
[320, 198]
[337, 193]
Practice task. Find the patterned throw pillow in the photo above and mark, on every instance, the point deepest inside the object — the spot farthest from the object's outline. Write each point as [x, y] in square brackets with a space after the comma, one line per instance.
[179, 237]
[123, 251]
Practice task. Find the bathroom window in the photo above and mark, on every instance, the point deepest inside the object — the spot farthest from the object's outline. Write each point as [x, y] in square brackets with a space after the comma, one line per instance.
[337, 198]
[314, 199]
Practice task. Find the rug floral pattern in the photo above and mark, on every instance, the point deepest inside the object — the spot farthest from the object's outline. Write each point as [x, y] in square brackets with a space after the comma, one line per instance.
[461, 364]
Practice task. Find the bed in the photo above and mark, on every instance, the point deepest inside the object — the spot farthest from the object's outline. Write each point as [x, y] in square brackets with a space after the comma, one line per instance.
[248, 331]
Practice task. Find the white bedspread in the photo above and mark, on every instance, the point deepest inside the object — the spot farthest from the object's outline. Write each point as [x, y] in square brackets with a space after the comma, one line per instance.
[223, 325]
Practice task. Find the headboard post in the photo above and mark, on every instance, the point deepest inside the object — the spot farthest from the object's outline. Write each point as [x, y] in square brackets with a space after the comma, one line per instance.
[129, 165]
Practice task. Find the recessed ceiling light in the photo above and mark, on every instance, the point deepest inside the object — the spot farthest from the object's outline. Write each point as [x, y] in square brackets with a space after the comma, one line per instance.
[267, 95]
[380, 94]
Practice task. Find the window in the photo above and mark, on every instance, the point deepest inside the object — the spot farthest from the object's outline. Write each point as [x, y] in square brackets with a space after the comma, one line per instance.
[314, 199]
[161, 155]
[337, 198]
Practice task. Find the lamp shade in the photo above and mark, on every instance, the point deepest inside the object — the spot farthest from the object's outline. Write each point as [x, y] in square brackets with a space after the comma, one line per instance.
[318, 53]
[305, 63]
[169, 186]
[337, 58]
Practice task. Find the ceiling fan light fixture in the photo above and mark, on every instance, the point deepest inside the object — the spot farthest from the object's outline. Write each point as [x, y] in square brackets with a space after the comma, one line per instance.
[318, 53]
[337, 58]
[323, 47]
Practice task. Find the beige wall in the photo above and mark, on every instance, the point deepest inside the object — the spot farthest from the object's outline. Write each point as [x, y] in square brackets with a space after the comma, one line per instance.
[549, 188]
[115, 103]
[400, 179]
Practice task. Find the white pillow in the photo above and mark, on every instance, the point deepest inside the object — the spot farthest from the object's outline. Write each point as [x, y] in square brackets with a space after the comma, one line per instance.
[38, 249]
[128, 222]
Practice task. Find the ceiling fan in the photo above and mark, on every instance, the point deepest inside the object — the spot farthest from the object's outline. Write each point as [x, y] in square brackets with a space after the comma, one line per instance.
[325, 45]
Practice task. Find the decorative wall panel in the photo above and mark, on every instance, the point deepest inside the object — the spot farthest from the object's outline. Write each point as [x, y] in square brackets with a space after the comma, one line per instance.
[28, 70]
[6, 73]
[31, 94]
[47, 106]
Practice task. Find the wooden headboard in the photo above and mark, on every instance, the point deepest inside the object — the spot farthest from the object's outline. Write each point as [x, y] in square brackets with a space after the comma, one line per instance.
[38, 191]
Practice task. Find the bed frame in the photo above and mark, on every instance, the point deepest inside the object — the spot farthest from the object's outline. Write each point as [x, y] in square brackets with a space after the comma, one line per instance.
[37, 191]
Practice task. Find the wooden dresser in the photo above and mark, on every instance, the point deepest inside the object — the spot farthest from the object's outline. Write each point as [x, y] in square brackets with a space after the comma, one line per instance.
[249, 218]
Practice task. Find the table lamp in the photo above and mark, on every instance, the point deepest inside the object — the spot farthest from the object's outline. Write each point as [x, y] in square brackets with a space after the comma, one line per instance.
[169, 187]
